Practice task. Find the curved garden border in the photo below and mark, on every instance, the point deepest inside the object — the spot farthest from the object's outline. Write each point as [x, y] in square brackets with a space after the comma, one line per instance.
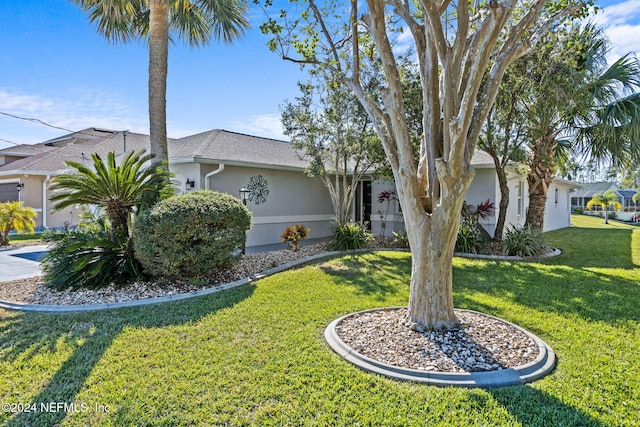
[554, 253]
[63, 308]
[543, 365]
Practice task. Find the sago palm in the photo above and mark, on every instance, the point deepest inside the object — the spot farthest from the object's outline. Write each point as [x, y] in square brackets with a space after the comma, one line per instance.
[15, 216]
[196, 22]
[605, 200]
[120, 189]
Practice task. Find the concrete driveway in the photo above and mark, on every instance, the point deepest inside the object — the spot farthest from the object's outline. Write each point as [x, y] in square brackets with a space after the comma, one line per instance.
[21, 263]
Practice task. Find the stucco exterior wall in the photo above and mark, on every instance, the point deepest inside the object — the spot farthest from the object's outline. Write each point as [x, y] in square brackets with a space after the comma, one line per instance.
[31, 193]
[484, 187]
[389, 213]
[518, 202]
[557, 213]
[293, 198]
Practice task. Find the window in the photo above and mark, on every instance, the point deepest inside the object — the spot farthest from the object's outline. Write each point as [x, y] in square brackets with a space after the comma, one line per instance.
[8, 192]
[520, 188]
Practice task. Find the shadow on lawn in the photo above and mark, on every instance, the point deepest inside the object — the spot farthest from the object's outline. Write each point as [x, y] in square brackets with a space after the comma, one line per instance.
[560, 289]
[533, 407]
[386, 276]
[24, 335]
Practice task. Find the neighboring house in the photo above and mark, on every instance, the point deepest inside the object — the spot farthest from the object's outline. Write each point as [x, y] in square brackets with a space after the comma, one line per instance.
[279, 193]
[580, 198]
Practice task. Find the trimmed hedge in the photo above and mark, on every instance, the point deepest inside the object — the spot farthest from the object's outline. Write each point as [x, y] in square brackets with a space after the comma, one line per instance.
[191, 234]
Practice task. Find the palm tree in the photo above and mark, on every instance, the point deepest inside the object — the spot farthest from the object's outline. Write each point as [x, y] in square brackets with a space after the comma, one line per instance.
[15, 216]
[120, 190]
[605, 200]
[194, 21]
[576, 96]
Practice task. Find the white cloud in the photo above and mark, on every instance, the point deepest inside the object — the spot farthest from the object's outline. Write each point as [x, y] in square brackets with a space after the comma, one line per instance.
[619, 14]
[265, 125]
[78, 110]
[624, 39]
[621, 23]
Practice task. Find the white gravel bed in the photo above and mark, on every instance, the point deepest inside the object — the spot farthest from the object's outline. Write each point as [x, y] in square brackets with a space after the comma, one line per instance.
[34, 291]
[482, 344]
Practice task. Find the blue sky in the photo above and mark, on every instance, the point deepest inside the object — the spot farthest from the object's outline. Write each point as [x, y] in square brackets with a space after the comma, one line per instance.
[56, 68]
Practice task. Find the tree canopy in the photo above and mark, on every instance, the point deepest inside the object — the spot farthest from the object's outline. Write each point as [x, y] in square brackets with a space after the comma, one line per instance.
[462, 51]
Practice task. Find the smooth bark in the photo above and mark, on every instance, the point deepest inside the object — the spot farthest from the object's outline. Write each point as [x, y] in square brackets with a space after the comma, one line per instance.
[158, 60]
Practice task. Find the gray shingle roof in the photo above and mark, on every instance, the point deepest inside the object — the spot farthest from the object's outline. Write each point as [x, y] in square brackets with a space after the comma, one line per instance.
[216, 146]
[224, 146]
[589, 189]
[25, 150]
[51, 160]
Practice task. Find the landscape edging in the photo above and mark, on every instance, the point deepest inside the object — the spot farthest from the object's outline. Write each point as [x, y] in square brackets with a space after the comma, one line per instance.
[67, 308]
[543, 365]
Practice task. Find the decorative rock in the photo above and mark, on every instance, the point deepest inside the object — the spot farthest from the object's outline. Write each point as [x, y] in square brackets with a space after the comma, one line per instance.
[34, 291]
[380, 335]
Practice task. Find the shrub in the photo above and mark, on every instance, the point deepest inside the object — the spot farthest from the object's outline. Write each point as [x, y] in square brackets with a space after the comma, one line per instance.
[468, 239]
[400, 240]
[191, 234]
[579, 210]
[294, 234]
[523, 242]
[89, 260]
[350, 235]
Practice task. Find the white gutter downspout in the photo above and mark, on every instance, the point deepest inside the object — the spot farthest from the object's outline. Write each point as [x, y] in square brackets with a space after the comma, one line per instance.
[210, 174]
[44, 201]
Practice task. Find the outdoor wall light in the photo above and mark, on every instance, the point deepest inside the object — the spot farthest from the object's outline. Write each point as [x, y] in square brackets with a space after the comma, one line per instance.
[189, 184]
[19, 187]
[243, 195]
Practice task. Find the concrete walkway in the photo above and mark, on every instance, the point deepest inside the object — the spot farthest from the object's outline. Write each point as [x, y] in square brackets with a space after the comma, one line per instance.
[21, 263]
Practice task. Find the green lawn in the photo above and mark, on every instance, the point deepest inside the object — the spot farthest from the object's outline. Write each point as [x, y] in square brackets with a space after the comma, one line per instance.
[25, 237]
[256, 355]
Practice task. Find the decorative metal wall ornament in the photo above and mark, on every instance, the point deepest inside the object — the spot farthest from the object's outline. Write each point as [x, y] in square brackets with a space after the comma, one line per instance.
[258, 189]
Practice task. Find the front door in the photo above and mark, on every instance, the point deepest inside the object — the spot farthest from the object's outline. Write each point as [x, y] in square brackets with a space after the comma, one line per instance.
[363, 203]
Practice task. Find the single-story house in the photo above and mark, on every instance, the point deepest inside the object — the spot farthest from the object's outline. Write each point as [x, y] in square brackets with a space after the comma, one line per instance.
[279, 193]
[580, 198]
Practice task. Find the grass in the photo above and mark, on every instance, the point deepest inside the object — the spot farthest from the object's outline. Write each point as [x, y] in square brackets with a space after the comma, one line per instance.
[24, 237]
[256, 355]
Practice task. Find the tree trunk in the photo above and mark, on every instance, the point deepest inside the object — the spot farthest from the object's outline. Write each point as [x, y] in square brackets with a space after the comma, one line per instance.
[158, 59]
[432, 239]
[504, 203]
[542, 168]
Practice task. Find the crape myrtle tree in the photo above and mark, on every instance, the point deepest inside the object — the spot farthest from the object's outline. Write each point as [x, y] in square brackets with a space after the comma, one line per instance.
[329, 127]
[462, 50]
[196, 22]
